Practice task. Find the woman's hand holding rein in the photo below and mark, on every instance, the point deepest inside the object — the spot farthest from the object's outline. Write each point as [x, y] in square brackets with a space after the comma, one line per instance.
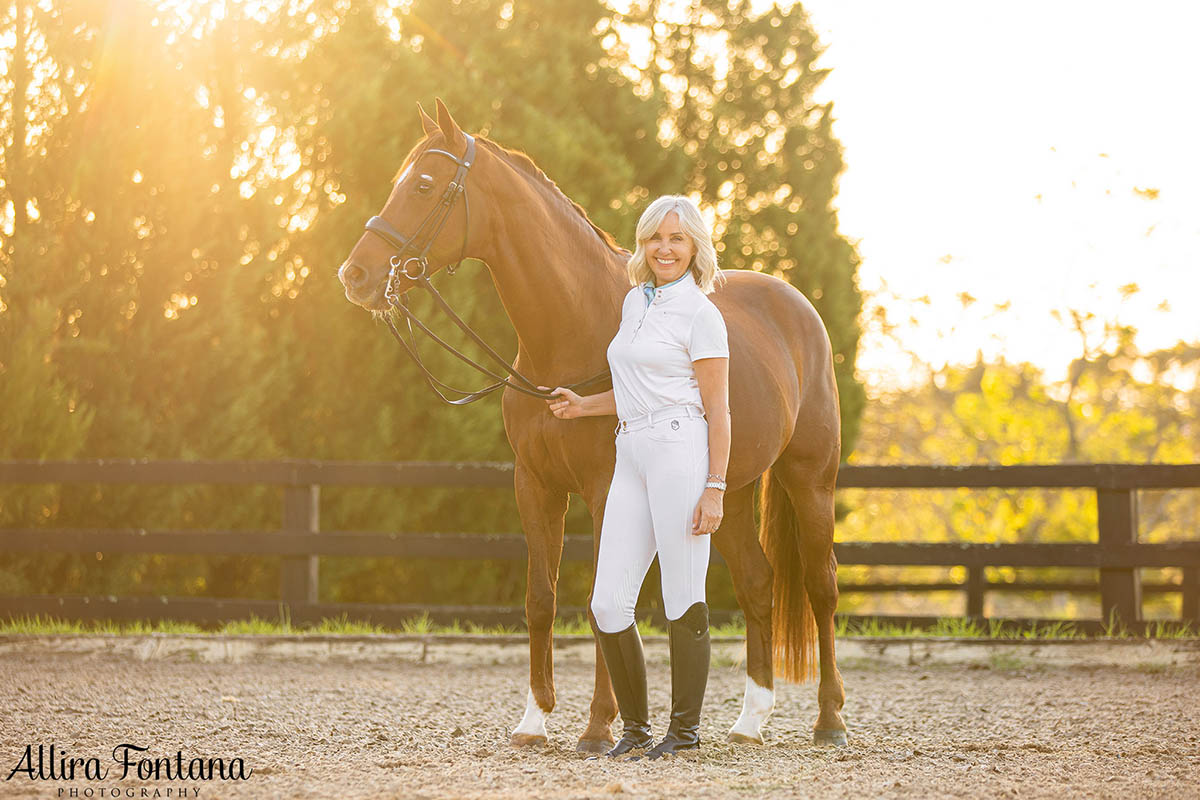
[569, 405]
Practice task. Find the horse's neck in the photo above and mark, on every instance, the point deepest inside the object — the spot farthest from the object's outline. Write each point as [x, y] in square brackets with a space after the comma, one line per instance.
[561, 285]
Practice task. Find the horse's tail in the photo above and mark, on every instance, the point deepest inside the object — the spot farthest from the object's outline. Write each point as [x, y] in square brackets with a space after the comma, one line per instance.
[793, 626]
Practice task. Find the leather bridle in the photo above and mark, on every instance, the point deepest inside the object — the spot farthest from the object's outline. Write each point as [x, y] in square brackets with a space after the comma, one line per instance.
[399, 264]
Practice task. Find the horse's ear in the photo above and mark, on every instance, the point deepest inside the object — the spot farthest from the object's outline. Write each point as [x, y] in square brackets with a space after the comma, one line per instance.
[450, 129]
[426, 121]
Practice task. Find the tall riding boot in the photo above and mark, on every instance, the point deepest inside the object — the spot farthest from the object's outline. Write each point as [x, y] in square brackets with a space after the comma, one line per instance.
[688, 637]
[627, 667]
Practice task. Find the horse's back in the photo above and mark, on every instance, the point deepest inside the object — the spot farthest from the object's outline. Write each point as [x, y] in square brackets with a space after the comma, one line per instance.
[781, 374]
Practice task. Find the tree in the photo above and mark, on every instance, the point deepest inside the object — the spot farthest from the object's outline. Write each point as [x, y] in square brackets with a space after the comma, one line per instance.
[181, 182]
[735, 90]
[1117, 404]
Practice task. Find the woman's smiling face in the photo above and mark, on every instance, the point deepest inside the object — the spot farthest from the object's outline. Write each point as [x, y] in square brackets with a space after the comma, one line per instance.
[669, 250]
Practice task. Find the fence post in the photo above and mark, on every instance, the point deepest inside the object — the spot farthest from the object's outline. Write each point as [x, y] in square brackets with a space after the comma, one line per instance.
[1120, 587]
[976, 586]
[298, 575]
[1190, 611]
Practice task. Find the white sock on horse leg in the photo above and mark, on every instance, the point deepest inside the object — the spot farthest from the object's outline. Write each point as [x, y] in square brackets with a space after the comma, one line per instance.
[534, 721]
[756, 707]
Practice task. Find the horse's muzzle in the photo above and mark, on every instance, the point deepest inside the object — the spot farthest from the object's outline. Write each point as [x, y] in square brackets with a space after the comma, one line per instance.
[356, 280]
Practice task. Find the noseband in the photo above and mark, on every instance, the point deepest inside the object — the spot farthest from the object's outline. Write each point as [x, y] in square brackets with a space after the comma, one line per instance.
[415, 268]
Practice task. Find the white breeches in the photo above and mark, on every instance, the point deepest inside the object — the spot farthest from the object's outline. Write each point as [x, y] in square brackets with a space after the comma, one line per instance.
[659, 477]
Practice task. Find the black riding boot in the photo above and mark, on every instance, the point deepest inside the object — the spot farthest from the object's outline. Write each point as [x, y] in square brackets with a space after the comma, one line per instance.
[689, 642]
[627, 667]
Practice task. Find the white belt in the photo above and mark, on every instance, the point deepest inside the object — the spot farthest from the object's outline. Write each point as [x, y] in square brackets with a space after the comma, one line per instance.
[658, 415]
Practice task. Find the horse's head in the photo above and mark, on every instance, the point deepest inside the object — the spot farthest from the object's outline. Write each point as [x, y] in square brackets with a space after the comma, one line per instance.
[423, 226]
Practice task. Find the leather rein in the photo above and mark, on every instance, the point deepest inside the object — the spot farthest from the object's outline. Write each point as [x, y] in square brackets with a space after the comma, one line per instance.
[415, 268]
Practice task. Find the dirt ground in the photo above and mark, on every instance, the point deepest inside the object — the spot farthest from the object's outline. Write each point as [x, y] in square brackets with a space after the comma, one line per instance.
[437, 727]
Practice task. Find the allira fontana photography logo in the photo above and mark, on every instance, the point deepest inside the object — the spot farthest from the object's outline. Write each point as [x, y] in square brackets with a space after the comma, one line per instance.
[129, 761]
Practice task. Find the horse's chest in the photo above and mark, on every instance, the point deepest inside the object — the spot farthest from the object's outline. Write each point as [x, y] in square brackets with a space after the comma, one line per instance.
[570, 453]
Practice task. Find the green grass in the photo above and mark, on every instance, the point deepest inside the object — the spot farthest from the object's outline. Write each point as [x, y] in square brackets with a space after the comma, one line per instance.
[959, 627]
[343, 625]
[1057, 629]
[945, 627]
[1171, 629]
[500, 630]
[876, 628]
[51, 625]
[962, 628]
[573, 626]
[1114, 629]
[736, 627]
[421, 624]
[256, 625]
[648, 628]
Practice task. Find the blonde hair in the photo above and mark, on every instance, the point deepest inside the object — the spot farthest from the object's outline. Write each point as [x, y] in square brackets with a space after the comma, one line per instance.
[704, 261]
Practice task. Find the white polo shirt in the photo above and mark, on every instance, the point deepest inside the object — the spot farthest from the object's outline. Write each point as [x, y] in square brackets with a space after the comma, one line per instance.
[651, 356]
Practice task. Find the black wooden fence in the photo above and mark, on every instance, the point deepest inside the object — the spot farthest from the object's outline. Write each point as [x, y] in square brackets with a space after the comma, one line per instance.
[1117, 553]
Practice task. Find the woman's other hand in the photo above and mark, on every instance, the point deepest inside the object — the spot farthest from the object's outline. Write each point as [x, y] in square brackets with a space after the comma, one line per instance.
[709, 512]
[567, 405]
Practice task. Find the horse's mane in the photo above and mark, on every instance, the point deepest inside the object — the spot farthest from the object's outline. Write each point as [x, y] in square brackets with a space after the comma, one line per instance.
[526, 164]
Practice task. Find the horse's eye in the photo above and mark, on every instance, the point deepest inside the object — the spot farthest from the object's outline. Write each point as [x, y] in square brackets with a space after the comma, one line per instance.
[425, 184]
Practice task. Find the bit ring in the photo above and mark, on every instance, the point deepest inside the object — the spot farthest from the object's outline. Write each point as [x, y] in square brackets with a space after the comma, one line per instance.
[416, 276]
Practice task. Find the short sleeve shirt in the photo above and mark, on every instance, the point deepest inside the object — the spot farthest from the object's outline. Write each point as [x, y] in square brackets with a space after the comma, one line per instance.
[651, 356]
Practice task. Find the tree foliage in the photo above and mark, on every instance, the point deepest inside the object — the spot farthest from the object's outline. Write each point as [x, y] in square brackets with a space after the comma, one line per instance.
[180, 182]
[1116, 404]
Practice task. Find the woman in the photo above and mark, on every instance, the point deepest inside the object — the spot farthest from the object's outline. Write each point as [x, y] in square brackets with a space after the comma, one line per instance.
[670, 369]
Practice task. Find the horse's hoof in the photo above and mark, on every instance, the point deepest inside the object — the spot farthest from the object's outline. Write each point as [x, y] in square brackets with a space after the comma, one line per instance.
[594, 746]
[835, 738]
[741, 738]
[527, 740]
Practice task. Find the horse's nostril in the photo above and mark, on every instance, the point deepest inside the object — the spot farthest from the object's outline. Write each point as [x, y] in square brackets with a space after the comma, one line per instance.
[353, 275]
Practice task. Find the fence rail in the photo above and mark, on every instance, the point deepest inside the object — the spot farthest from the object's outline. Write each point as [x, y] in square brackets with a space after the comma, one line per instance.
[1117, 554]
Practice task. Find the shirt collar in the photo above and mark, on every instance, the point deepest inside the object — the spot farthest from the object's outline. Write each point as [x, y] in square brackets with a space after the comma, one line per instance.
[649, 290]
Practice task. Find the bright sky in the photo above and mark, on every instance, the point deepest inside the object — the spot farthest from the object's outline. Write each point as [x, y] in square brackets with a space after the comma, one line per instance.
[998, 149]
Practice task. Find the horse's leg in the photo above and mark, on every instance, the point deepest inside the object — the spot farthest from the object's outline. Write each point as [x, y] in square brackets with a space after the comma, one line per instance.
[737, 542]
[814, 512]
[597, 736]
[542, 509]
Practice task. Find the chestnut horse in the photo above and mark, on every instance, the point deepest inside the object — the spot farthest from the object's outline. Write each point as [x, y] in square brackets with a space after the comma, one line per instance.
[561, 281]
